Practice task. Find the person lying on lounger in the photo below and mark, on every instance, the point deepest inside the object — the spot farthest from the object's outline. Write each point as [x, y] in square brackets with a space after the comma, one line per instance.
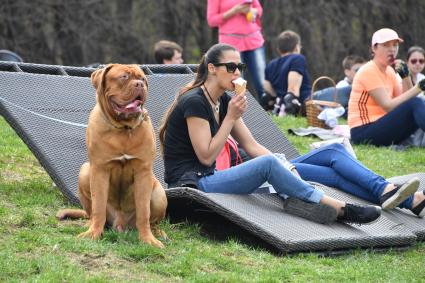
[196, 127]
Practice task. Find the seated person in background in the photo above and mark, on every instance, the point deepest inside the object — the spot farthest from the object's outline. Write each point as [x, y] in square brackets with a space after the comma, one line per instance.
[196, 127]
[7, 55]
[351, 65]
[416, 61]
[287, 76]
[168, 52]
[381, 111]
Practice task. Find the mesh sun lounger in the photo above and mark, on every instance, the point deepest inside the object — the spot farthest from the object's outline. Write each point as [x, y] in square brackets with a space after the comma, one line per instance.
[48, 107]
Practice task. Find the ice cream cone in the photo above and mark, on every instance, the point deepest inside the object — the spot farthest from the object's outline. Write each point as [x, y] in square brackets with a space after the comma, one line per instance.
[240, 85]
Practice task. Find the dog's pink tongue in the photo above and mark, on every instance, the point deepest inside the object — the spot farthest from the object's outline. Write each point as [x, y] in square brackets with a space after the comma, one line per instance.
[133, 107]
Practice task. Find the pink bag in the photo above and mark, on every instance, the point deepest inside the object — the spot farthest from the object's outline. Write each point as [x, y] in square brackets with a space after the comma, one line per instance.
[224, 158]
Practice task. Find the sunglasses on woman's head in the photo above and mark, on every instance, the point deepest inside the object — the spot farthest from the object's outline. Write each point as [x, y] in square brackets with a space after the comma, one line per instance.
[414, 61]
[231, 67]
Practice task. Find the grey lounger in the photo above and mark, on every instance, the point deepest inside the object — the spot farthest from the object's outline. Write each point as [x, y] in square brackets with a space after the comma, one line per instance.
[48, 107]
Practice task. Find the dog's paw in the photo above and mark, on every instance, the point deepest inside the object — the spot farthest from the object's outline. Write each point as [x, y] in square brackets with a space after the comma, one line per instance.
[159, 233]
[119, 228]
[91, 234]
[151, 240]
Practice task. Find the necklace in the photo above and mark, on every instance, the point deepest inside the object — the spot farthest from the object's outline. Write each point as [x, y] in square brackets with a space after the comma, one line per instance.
[216, 104]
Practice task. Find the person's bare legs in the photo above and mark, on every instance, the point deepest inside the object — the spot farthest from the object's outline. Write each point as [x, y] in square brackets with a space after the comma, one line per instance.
[418, 198]
[388, 188]
[336, 204]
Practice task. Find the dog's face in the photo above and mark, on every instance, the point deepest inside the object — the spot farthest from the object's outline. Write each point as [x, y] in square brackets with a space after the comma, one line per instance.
[121, 90]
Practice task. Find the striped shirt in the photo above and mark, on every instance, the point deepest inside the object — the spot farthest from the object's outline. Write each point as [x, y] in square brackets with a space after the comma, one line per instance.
[362, 108]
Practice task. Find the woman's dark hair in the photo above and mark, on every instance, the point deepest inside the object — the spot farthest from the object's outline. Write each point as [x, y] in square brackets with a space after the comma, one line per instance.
[414, 49]
[213, 55]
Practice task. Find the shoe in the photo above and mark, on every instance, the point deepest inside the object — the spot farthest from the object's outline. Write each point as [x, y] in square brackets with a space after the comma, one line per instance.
[419, 210]
[359, 214]
[394, 197]
[316, 212]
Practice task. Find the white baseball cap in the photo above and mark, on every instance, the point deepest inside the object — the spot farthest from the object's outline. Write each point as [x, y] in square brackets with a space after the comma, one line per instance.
[384, 35]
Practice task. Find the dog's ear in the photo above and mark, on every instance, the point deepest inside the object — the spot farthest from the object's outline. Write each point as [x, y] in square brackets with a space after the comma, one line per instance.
[96, 77]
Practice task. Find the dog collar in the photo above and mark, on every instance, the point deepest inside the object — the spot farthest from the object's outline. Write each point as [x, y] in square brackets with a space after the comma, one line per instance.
[140, 120]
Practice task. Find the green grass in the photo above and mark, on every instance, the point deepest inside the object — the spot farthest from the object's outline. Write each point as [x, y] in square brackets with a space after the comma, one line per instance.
[35, 247]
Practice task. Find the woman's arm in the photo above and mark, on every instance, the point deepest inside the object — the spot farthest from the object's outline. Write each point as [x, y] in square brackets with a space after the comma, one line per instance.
[401, 68]
[207, 147]
[406, 84]
[383, 99]
[243, 136]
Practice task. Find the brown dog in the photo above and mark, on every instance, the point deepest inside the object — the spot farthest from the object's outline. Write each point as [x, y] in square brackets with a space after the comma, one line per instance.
[117, 185]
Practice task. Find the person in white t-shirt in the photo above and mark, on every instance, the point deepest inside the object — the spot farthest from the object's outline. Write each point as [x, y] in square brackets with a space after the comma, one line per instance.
[351, 65]
[416, 62]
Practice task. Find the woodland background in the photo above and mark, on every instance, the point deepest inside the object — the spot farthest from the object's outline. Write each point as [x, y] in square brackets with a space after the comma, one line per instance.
[82, 32]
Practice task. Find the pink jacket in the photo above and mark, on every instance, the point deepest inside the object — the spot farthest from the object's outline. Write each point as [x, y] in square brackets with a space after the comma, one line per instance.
[237, 30]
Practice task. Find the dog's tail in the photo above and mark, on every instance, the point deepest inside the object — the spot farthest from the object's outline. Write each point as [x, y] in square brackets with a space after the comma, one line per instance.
[71, 213]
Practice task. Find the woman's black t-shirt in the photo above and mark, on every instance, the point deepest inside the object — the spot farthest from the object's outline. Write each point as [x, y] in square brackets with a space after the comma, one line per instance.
[179, 155]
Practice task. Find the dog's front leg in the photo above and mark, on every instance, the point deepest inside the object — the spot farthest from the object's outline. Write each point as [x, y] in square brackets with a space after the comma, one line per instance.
[142, 197]
[99, 188]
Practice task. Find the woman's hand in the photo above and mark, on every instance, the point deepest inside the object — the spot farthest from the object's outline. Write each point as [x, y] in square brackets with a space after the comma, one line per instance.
[242, 8]
[237, 106]
[401, 68]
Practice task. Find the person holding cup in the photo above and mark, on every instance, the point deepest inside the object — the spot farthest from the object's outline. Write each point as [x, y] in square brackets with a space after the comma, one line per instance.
[197, 125]
[381, 111]
[239, 25]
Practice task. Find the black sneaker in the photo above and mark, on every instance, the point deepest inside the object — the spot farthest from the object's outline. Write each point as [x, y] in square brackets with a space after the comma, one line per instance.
[316, 212]
[359, 214]
[419, 210]
[394, 197]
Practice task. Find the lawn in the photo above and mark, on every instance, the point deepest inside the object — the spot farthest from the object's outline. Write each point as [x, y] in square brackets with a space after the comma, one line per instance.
[35, 247]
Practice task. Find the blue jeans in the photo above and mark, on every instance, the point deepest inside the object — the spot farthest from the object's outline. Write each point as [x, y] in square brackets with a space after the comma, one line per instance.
[256, 63]
[333, 166]
[395, 126]
[248, 176]
[327, 94]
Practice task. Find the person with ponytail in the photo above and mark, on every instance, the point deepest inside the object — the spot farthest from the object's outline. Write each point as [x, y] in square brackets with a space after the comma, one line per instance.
[196, 127]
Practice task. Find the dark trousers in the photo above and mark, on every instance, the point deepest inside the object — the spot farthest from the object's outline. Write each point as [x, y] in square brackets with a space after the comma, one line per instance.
[394, 127]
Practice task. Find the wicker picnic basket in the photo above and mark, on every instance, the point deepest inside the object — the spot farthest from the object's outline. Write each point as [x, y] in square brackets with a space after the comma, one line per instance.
[314, 107]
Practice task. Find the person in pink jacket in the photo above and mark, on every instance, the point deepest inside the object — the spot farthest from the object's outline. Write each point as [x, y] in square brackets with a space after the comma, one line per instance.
[239, 25]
